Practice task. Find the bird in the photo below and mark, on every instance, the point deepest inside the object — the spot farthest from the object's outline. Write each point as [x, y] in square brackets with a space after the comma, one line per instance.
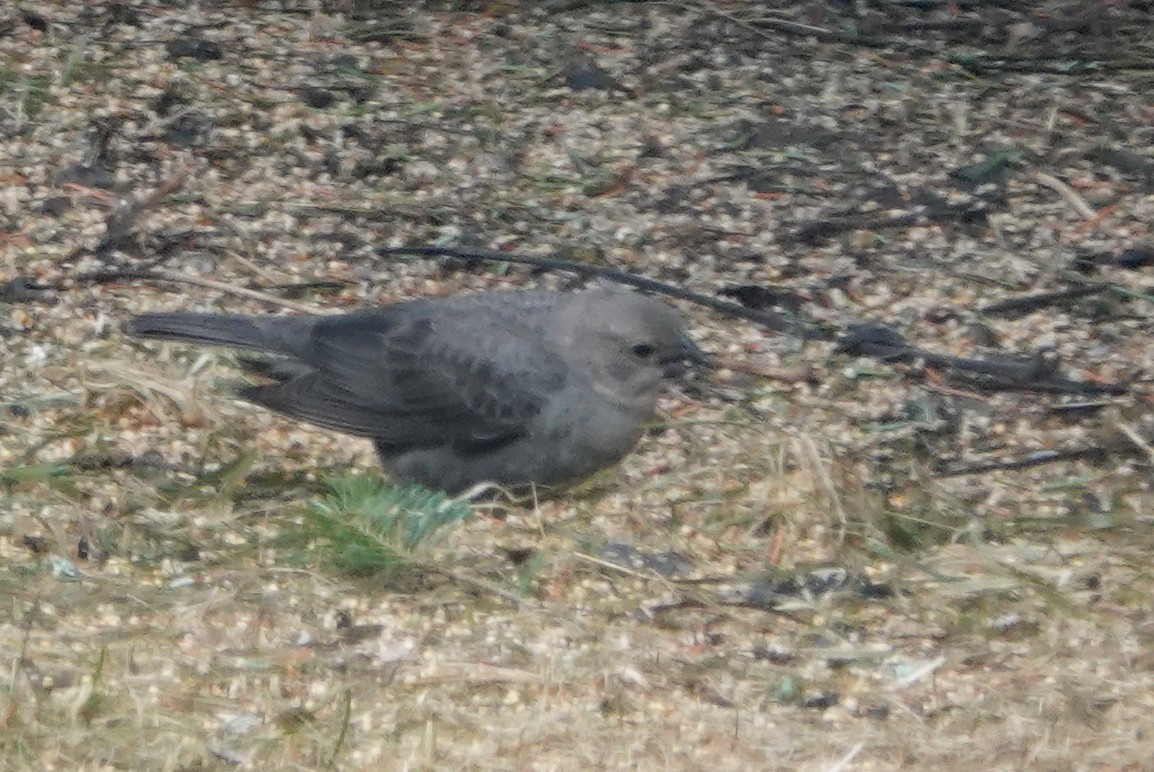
[514, 388]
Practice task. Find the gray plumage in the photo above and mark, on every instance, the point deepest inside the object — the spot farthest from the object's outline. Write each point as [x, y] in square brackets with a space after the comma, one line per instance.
[506, 387]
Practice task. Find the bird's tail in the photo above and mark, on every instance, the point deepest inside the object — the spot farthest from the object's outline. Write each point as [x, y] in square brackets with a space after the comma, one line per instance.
[274, 334]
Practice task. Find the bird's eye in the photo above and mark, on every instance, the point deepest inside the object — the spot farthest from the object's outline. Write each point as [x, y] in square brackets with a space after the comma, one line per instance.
[643, 351]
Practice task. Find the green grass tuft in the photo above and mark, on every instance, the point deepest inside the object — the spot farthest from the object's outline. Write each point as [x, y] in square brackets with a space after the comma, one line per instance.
[364, 526]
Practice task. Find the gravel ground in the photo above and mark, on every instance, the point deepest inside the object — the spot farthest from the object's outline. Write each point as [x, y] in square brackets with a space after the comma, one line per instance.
[852, 551]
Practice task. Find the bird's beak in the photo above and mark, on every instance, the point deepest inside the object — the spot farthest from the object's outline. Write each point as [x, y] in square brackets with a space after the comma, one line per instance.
[674, 366]
[695, 355]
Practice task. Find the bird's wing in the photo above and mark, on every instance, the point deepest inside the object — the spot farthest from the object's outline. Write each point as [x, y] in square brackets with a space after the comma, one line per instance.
[422, 373]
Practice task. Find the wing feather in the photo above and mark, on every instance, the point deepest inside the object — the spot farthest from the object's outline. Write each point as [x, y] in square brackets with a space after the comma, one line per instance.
[418, 374]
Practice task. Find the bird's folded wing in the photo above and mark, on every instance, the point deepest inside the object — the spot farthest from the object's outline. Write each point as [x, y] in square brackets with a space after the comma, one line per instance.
[416, 375]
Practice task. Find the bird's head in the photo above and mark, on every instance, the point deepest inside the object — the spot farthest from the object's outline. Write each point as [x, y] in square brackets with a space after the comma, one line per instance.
[627, 341]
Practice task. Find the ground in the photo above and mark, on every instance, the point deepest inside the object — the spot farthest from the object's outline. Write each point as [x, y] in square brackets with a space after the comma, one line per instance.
[825, 556]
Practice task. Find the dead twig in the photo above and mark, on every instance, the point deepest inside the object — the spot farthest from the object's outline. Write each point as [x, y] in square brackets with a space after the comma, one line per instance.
[1068, 193]
[130, 274]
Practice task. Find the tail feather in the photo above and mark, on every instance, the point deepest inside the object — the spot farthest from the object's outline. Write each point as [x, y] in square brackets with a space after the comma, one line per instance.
[275, 334]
